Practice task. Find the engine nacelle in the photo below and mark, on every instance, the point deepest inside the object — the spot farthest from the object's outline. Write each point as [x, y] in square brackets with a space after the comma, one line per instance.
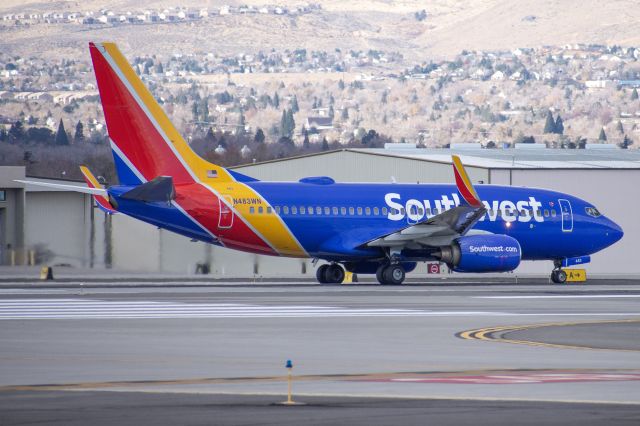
[482, 253]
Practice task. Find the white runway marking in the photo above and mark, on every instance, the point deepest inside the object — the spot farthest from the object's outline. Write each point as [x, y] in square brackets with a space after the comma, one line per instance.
[12, 309]
[564, 296]
[88, 308]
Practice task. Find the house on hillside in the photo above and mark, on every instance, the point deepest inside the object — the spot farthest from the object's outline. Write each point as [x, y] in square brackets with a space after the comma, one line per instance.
[319, 123]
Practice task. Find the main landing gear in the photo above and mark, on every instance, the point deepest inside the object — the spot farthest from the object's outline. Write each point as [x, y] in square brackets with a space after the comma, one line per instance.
[330, 274]
[558, 276]
[392, 274]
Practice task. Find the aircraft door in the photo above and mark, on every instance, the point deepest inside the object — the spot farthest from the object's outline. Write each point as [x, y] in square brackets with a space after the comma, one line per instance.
[225, 220]
[566, 214]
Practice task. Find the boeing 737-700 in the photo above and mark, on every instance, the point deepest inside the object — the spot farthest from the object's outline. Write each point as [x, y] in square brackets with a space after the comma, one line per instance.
[366, 228]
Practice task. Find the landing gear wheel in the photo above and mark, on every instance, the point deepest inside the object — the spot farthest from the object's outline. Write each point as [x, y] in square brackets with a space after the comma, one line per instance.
[559, 276]
[394, 274]
[390, 274]
[334, 274]
[320, 274]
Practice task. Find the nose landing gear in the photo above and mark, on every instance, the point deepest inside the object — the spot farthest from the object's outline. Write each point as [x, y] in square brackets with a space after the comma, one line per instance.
[558, 276]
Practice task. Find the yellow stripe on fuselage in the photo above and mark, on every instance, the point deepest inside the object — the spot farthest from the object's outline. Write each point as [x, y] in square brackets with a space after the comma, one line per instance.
[269, 225]
[200, 167]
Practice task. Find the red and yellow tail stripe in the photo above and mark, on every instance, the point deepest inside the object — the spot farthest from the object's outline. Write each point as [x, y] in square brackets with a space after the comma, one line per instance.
[92, 182]
[465, 187]
[151, 145]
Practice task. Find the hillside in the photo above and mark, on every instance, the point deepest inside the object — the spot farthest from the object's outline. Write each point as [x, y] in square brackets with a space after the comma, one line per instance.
[450, 27]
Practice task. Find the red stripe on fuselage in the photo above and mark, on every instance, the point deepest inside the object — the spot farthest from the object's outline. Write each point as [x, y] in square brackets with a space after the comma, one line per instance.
[131, 129]
[202, 205]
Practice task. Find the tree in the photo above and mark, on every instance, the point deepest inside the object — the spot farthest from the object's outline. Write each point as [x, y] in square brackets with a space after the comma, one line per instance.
[325, 144]
[259, 137]
[276, 100]
[79, 135]
[294, 104]
[559, 126]
[345, 114]
[634, 94]
[603, 136]
[16, 132]
[550, 124]
[620, 128]
[195, 111]
[61, 135]
[305, 143]
[287, 123]
[626, 142]
[341, 85]
[3, 134]
[210, 137]
[205, 110]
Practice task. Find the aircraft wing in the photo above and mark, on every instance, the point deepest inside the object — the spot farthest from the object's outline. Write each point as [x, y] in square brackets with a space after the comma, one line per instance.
[443, 228]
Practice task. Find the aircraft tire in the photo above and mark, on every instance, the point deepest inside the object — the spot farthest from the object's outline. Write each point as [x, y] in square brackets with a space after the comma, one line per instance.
[321, 274]
[334, 274]
[558, 276]
[394, 274]
[380, 274]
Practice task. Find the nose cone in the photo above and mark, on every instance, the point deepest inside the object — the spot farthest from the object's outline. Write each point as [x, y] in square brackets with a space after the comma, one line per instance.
[614, 232]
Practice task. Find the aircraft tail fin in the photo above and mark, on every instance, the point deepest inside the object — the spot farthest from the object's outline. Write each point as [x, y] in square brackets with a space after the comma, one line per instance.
[465, 187]
[101, 200]
[144, 142]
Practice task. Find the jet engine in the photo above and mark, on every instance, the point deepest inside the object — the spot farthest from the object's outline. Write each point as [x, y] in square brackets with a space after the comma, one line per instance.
[482, 253]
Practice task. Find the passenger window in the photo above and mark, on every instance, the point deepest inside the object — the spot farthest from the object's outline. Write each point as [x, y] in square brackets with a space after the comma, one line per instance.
[428, 211]
[359, 211]
[524, 213]
[334, 210]
[402, 210]
[318, 210]
[327, 211]
[385, 211]
[285, 209]
[277, 209]
[546, 212]
[351, 211]
[268, 210]
[294, 210]
[553, 213]
[376, 211]
[343, 211]
[260, 210]
[367, 211]
[310, 210]
[303, 210]
[252, 210]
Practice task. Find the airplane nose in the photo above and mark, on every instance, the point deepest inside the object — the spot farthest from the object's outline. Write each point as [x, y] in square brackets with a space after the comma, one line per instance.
[614, 232]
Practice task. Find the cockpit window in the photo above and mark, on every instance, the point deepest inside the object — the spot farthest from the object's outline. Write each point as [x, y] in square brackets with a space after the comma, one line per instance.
[592, 211]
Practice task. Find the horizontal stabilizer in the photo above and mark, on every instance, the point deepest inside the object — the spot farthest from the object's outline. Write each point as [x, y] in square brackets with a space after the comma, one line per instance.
[63, 187]
[158, 189]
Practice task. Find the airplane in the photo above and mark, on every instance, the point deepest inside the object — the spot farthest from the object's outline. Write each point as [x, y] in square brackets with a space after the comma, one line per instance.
[365, 228]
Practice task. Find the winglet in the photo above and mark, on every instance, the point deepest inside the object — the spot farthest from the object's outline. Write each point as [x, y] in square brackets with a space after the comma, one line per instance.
[465, 187]
[92, 182]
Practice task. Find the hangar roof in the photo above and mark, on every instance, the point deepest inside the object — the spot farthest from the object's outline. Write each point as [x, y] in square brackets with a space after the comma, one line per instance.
[515, 158]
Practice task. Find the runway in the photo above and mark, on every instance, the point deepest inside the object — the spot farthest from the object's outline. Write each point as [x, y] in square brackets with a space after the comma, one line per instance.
[523, 344]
